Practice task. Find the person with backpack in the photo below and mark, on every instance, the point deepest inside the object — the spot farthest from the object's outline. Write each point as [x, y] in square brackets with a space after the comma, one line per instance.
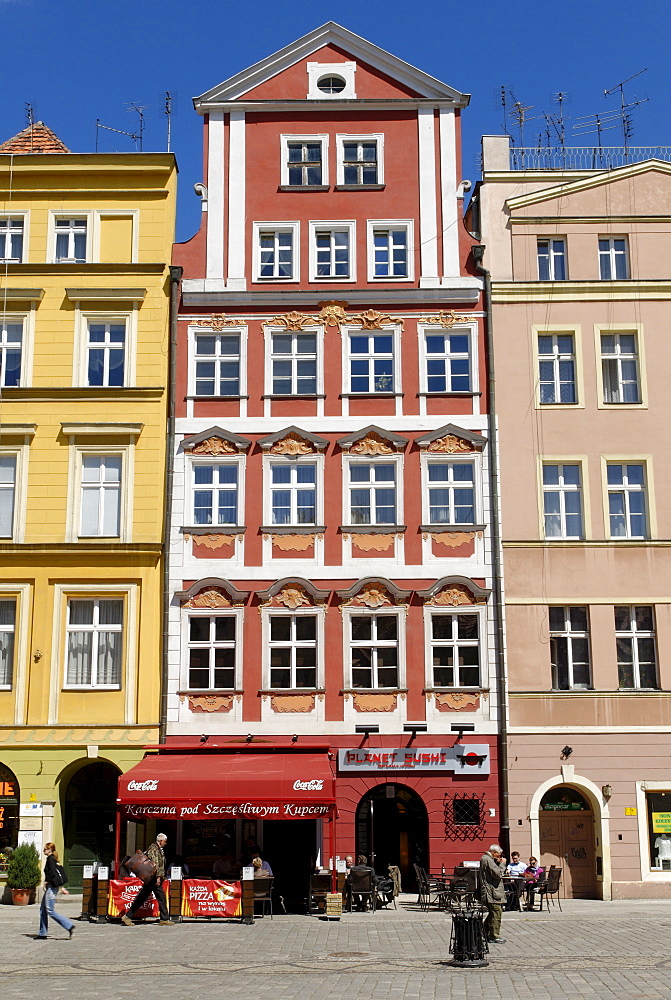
[54, 879]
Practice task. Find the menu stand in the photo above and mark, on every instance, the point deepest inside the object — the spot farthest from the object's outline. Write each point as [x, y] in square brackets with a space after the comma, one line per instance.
[247, 886]
[175, 895]
[102, 893]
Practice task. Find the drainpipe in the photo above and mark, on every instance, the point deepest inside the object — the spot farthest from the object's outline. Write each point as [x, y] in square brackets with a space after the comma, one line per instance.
[497, 572]
[175, 278]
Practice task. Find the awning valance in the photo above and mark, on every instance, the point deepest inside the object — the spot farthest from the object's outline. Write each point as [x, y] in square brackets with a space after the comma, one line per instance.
[228, 785]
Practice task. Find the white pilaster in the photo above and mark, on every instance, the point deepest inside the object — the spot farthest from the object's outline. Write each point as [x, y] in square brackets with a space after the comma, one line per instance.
[215, 188]
[428, 226]
[236, 202]
[448, 187]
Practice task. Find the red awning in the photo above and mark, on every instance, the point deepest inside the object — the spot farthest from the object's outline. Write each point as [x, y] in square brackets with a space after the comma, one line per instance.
[225, 786]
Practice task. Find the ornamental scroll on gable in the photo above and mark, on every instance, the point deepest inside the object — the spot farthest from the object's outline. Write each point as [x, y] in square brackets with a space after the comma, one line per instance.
[451, 440]
[210, 597]
[292, 444]
[455, 595]
[212, 446]
[291, 596]
[371, 595]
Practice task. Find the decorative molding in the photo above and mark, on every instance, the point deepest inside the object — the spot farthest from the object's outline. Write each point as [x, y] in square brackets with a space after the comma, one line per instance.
[445, 318]
[292, 444]
[371, 319]
[293, 543]
[293, 321]
[333, 313]
[212, 541]
[82, 736]
[372, 444]
[218, 321]
[372, 595]
[210, 702]
[377, 543]
[455, 596]
[293, 702]
[456, 701]
[213, 597]
[292, 589]
[379, 590]
[453, 538]
[374, 702]
[291, 596]
[212, 446]
[450, 445]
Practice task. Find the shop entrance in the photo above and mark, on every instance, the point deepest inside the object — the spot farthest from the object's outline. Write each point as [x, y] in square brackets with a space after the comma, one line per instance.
[567, 840]
[392, 829]
[90, 806]
[290, 848]
[9, 809]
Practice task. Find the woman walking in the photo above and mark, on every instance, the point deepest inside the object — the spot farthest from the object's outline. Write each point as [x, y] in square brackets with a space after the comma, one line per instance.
[52, 883]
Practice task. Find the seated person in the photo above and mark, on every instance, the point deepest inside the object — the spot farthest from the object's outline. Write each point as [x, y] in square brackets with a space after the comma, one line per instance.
[515, 866]
[224, 866]
[360, 868]
[259, 870]
[179, 862]
[349, 862]
[264, 864]
[532, 876]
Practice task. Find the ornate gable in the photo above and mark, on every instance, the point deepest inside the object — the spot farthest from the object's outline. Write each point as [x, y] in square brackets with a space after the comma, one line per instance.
[214, 441]
[372, 440]
[292, 441]
[451, 440]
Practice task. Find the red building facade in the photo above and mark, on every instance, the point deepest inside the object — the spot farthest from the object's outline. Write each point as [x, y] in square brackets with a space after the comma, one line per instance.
[330, 546]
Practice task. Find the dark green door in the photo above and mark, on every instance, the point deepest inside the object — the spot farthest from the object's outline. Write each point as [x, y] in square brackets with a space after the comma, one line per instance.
[90, 806]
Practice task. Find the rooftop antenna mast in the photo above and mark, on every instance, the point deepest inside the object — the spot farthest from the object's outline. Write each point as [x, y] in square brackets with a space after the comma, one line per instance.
[505, 111]
[519, 115]
[627, 129]
[169, 98]
[139, 109]
[30, 121]
[135, 136]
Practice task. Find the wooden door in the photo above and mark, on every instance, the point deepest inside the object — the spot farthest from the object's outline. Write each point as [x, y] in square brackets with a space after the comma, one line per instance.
[567, 841]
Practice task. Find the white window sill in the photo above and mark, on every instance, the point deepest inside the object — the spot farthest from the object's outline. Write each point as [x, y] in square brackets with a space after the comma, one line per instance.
[92, 687]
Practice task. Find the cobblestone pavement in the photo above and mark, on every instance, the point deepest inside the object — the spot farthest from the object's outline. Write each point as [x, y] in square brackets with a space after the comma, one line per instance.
[592, 949]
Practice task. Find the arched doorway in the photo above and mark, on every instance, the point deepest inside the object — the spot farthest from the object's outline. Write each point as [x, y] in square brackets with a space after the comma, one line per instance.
[566, 831]
[89, 813]
[392, 829]
[9, 808]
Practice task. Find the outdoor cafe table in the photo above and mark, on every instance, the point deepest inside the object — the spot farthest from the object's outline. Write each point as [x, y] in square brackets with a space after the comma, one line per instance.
[514, 886]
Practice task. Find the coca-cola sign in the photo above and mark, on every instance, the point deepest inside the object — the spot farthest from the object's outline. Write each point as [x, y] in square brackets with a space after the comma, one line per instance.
[150, 785]
[314, 785]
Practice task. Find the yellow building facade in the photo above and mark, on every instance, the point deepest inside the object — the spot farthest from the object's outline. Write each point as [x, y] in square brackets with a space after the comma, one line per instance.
[85, 244]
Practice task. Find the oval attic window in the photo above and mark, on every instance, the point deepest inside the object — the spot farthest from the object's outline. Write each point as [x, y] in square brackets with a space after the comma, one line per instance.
[331, 84]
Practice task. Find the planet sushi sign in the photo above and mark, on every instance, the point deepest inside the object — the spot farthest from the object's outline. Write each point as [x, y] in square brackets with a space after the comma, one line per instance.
[469, 758]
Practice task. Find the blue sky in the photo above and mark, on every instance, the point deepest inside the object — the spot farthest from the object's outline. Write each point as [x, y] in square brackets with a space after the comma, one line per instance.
[81, 60]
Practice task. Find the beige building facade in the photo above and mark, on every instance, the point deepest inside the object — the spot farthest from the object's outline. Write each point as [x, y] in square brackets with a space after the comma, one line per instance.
[580, 265]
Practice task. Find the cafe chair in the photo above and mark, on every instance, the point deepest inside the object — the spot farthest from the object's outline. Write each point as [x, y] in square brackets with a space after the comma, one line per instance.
[361, 890]
[320, 886]
[263, 888]
[550, 888]
[427, 887]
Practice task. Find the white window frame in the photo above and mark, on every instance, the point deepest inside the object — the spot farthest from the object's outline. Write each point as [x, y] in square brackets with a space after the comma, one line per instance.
[73, 517]
[480, 612]
[341, 139]
[316, 71]
[83, 317]
[348, 644]
[21, 593]
[195, 460]
[474, 459]
[612, 329]
[14, 630]
[634, 634]
[351, 460]
[316, 459]
[24, 218]
[340, 227]
[612, 254]
[390, 224]
[318, 332]
[562, 490]
[555, 359]
[22, 320]
[277, 227]
[101, 489]
[428, 330]
[313, 612]
[569, 633]
[86, 214]
[549, 240]
[196, 331]
[94, 685]
[355, 331]
[286, 139]
[20, 453]
[238, 615]
[646, 490]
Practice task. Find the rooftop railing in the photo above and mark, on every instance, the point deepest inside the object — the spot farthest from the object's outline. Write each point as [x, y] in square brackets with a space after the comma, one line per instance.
[585, 157]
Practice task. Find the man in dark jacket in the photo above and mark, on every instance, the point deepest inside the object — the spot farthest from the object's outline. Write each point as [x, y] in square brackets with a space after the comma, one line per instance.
[361, 868]
[492, 893]
[154, 884]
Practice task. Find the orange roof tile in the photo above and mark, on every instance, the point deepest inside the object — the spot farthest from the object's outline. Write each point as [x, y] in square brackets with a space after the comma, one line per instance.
[37, 138]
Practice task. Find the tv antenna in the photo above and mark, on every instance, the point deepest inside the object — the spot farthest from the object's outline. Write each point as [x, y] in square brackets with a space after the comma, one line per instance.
[30, 114]
[625, 109]
[168, 108]
[135, 136]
